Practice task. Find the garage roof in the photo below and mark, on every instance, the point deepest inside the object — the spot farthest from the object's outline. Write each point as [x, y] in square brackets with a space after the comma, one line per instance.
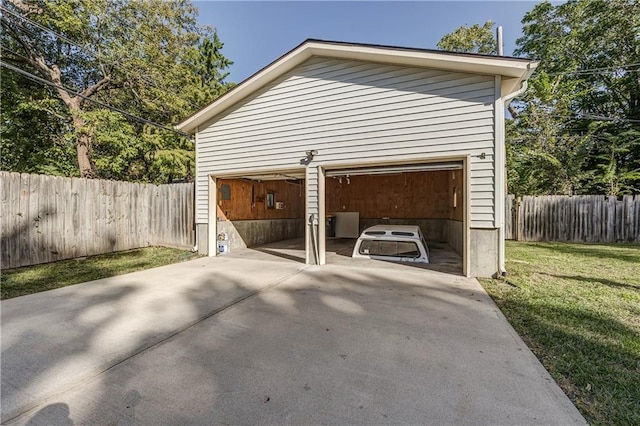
[513, 70]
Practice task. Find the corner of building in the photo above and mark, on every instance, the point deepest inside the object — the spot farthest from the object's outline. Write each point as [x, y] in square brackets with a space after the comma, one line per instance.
[483, 253]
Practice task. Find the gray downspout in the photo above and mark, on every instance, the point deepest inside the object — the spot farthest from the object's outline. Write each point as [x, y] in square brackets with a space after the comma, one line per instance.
[501, 232]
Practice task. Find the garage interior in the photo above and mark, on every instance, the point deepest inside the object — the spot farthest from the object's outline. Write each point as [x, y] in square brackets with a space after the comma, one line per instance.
[257, 210]
[429, 196]
[268, 212]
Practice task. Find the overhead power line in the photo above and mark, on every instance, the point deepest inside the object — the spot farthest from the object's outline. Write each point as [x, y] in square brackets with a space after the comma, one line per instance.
[594, 117]
[42, 27]
[102, 104]
[604, 118]
[598, 70]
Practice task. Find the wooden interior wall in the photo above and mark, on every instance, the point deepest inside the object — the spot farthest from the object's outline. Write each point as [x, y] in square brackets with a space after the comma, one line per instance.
[248, 204]
[424, 195]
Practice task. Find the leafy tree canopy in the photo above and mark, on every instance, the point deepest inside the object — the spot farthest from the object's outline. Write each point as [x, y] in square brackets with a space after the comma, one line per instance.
[149, 58]
[473, 39]
[579, 124]
[577, 128]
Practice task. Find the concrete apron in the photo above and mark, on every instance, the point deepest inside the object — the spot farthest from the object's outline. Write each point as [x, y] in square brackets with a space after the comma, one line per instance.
[57, 339]
[334, 344]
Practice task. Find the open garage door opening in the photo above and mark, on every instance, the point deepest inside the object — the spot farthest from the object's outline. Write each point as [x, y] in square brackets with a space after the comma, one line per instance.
[430, 196]
[260, 210]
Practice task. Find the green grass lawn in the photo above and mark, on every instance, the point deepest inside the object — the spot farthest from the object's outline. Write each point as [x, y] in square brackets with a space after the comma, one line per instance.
[577, 306]
[33, 279]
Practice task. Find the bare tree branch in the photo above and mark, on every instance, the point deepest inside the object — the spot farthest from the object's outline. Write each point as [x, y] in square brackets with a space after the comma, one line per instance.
[55, 114]
[16, 35]
[55, 76]
[25, 8]
[95, 88]
[99, 57]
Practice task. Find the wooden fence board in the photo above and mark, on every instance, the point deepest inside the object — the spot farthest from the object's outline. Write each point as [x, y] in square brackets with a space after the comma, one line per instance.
[584, 218]
[5, 243]
[46, 209]
[56, 221]
[6, 222]
[67, 243]
[509, 219]
[46, 218]
[114, 217]
[118, 200]
[33, 217]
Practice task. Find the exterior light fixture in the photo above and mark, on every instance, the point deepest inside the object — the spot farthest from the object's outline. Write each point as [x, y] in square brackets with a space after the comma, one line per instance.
[309, 157]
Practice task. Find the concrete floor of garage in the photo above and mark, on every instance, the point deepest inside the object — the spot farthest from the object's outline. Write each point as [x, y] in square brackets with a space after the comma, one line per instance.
[442, 257]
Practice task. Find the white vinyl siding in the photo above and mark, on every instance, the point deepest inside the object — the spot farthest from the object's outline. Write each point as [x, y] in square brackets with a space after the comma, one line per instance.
[313, 205]
[350, 112]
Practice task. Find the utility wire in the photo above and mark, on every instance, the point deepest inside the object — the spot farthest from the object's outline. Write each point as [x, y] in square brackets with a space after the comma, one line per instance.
[594, 117]
[598, 70]
[29, 61]
[42, 27]
[573, 138]
[85, 49]
[588, 116]
[604, 118]
[74, 92]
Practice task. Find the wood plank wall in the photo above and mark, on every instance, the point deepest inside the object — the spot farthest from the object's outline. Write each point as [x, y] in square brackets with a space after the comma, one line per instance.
[249, 199]
[49, 218]
[419, 195]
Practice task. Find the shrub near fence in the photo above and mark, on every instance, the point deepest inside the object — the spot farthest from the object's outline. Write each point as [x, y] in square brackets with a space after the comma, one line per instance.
[49, 218]
[578, 218]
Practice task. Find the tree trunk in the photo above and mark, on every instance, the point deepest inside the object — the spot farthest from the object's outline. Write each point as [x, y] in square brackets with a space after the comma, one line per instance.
[83, 146]
[83, 143]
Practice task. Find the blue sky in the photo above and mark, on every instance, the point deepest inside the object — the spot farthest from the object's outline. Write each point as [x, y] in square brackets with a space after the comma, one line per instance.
[255, 33]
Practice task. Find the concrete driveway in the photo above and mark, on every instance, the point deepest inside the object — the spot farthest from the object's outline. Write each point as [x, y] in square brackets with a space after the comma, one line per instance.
[253, 338]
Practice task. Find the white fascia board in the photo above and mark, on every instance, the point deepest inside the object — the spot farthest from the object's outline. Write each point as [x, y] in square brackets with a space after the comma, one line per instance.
[439, 60]
[513, 69]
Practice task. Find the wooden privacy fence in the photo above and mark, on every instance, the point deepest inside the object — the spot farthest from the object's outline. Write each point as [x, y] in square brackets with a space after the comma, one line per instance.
[577, 218]
[48, 218]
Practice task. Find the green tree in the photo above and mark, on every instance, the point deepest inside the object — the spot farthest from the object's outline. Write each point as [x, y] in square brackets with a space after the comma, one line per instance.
[148, 58]
[587, 89]
[32, 136]
[576, 129]
[472, 39]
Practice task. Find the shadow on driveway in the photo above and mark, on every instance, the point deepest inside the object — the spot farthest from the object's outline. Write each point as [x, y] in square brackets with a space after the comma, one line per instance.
[257, 339]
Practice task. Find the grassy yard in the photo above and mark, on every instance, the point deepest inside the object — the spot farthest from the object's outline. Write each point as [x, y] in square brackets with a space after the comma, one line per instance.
[577, 306]
[33, 279]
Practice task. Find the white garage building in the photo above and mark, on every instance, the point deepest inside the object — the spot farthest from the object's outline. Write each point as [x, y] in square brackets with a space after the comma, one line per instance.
[393, 134]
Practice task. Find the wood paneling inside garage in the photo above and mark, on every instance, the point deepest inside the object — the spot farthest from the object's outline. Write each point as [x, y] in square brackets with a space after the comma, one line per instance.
[248, 199]
[424, 195]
